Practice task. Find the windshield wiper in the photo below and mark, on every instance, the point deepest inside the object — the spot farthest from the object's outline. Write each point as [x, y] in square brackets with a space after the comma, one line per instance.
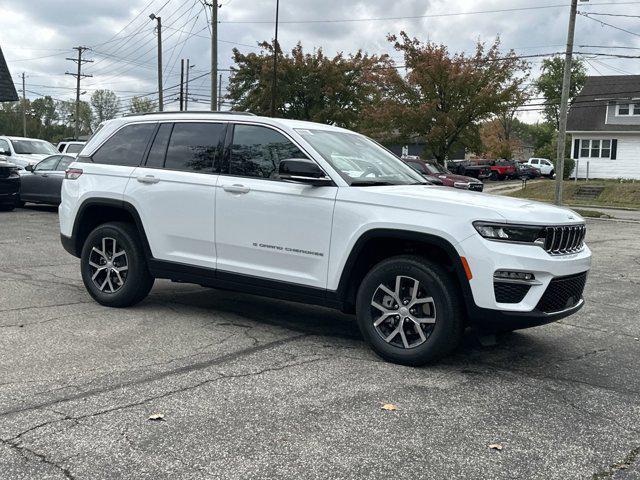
[370, 183]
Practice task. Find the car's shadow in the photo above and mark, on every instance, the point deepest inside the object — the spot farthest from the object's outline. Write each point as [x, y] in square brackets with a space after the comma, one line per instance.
[313, 320]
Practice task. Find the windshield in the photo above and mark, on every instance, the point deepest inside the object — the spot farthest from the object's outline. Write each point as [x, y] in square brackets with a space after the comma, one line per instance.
[360, 160]
[27, 147]
[75, 148]
[435, 168]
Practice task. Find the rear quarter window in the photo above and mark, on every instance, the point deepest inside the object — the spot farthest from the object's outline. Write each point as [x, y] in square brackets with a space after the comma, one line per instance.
[126, 147]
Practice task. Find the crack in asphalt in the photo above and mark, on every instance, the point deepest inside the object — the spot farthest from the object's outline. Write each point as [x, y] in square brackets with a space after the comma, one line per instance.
[627, 462]
[159, 376]
[15, 442]
[24, 452]
[52, 319]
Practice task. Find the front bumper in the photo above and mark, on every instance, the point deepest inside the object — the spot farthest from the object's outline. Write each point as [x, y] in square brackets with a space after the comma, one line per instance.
[485, 257]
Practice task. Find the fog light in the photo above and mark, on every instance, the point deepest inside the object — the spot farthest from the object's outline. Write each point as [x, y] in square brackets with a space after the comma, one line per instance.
[509, 275]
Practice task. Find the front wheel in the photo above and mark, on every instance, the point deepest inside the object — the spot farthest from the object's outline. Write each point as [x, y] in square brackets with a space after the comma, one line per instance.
[409, 310]
[113, 264]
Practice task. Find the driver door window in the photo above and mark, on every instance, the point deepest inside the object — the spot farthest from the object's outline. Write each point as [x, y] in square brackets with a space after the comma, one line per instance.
[257, 151]
[48, 164]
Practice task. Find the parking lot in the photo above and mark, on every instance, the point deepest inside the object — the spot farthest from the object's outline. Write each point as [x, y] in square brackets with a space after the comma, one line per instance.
[257, 388]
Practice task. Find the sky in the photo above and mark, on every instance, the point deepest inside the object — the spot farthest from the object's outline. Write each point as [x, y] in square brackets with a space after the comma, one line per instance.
[37, 36]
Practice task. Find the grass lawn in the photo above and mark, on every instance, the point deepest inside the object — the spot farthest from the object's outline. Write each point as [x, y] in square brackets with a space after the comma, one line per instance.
[615, 194]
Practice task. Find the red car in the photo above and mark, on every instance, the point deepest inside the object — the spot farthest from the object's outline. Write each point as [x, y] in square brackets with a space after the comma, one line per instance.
[437, 174]
[500, 169]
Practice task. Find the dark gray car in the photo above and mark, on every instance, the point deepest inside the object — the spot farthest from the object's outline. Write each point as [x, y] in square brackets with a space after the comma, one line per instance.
[42, 183]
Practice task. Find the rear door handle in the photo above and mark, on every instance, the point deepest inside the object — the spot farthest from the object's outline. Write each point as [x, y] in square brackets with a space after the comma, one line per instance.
[236, 188]
[148, 179]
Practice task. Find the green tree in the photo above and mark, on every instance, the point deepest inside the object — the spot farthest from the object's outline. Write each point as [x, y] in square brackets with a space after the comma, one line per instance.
[443, 97]
[549, 85]
[141, 105]
[105, 105]
[66, 115]
[311, 86]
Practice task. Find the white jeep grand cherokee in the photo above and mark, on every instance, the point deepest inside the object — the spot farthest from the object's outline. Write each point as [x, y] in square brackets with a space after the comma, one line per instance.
[316, 214]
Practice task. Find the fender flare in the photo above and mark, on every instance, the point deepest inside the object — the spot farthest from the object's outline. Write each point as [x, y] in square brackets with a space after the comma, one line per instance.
[113, 203]
[445, 245]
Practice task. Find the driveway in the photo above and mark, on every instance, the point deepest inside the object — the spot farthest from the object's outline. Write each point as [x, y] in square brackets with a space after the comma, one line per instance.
[257, 388]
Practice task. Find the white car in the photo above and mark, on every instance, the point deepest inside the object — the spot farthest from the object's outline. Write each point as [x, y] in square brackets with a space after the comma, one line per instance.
[318, 214]
[544, 165]
[25, 151]
[71, 147]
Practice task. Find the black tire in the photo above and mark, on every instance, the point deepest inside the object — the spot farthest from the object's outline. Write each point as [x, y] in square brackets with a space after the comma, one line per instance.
[20, 204]
[442, 337]
[7, 208]
[137, 282]
[502, 177]
[493, 176]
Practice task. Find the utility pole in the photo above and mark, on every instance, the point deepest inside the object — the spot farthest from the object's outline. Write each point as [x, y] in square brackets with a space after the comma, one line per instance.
[275, 64]
[186, 89]
[160, 93]
[214, 54]
[181, 84]
[80, 61]
[24, 108]
[564, 102]
[220, 92]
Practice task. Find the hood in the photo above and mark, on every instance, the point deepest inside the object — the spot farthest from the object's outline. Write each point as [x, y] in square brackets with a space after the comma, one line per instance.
[31, 158]
[458, 178]
[468, 204]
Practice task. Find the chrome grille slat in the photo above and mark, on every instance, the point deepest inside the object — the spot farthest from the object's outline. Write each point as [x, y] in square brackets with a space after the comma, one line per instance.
[564, 239]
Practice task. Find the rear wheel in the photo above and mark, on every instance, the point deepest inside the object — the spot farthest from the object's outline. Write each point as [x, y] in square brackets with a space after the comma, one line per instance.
[113, 264]
[408, 310]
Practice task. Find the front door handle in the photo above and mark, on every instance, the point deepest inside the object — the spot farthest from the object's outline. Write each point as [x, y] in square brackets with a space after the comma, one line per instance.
[236, 188]
[148, 179]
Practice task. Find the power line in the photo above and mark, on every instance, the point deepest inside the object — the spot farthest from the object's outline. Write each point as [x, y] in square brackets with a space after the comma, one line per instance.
[608, 24]
[411, 17]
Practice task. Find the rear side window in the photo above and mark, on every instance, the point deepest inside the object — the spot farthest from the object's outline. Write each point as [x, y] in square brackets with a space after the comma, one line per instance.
[126, 147]
[193, 147]
[159, 146]
[257, 151]
[74, 148]
[65, 162]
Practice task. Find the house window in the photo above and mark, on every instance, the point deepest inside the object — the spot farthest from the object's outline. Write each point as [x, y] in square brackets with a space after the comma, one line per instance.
[623, 108]
[636, 108]
[595, 148]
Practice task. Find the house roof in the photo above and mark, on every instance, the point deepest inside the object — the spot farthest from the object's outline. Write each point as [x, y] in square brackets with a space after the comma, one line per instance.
[589, 109]
[7, 89]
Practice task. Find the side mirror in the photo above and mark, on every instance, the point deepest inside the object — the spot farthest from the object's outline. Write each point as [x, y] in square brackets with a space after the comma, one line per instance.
[29, 168]
[302, 170]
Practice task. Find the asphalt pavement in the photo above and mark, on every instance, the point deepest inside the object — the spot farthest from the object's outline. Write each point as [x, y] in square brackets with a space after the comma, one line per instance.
[245, 387]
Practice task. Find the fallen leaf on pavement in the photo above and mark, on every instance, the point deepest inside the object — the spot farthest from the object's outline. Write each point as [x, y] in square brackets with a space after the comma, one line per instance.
[156, 416]
[390, 407]
[495, 446]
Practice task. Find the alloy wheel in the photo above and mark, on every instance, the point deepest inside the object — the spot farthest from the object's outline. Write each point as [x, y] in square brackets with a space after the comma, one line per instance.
[403, 314]
[108, 266]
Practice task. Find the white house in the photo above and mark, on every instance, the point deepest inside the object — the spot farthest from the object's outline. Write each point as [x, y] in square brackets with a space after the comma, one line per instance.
[604, 124]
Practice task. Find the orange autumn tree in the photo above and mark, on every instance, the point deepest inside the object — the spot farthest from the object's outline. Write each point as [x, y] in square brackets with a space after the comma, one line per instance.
[442, 98]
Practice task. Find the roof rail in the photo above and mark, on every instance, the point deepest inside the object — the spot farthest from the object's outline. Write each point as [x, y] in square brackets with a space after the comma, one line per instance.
[204, 112]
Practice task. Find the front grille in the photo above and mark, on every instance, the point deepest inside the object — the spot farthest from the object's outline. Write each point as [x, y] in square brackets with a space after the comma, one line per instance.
[565, 239]
[476, 187]
[563, 293]
[510, 292]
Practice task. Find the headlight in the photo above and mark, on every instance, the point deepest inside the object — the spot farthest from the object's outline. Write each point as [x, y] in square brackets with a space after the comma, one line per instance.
[503, 232]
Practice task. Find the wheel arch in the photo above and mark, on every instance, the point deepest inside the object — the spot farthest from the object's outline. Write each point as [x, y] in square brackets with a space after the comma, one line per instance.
[375, 245]
[97, 211]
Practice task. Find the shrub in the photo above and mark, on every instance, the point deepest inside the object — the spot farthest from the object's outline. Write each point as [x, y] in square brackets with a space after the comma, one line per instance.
[569, 165]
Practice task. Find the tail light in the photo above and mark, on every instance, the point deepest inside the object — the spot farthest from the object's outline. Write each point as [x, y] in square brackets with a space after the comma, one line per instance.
[72, 173]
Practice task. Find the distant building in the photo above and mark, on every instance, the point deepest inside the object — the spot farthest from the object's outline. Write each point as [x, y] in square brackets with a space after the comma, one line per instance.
[7, 89]
[604, 124]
